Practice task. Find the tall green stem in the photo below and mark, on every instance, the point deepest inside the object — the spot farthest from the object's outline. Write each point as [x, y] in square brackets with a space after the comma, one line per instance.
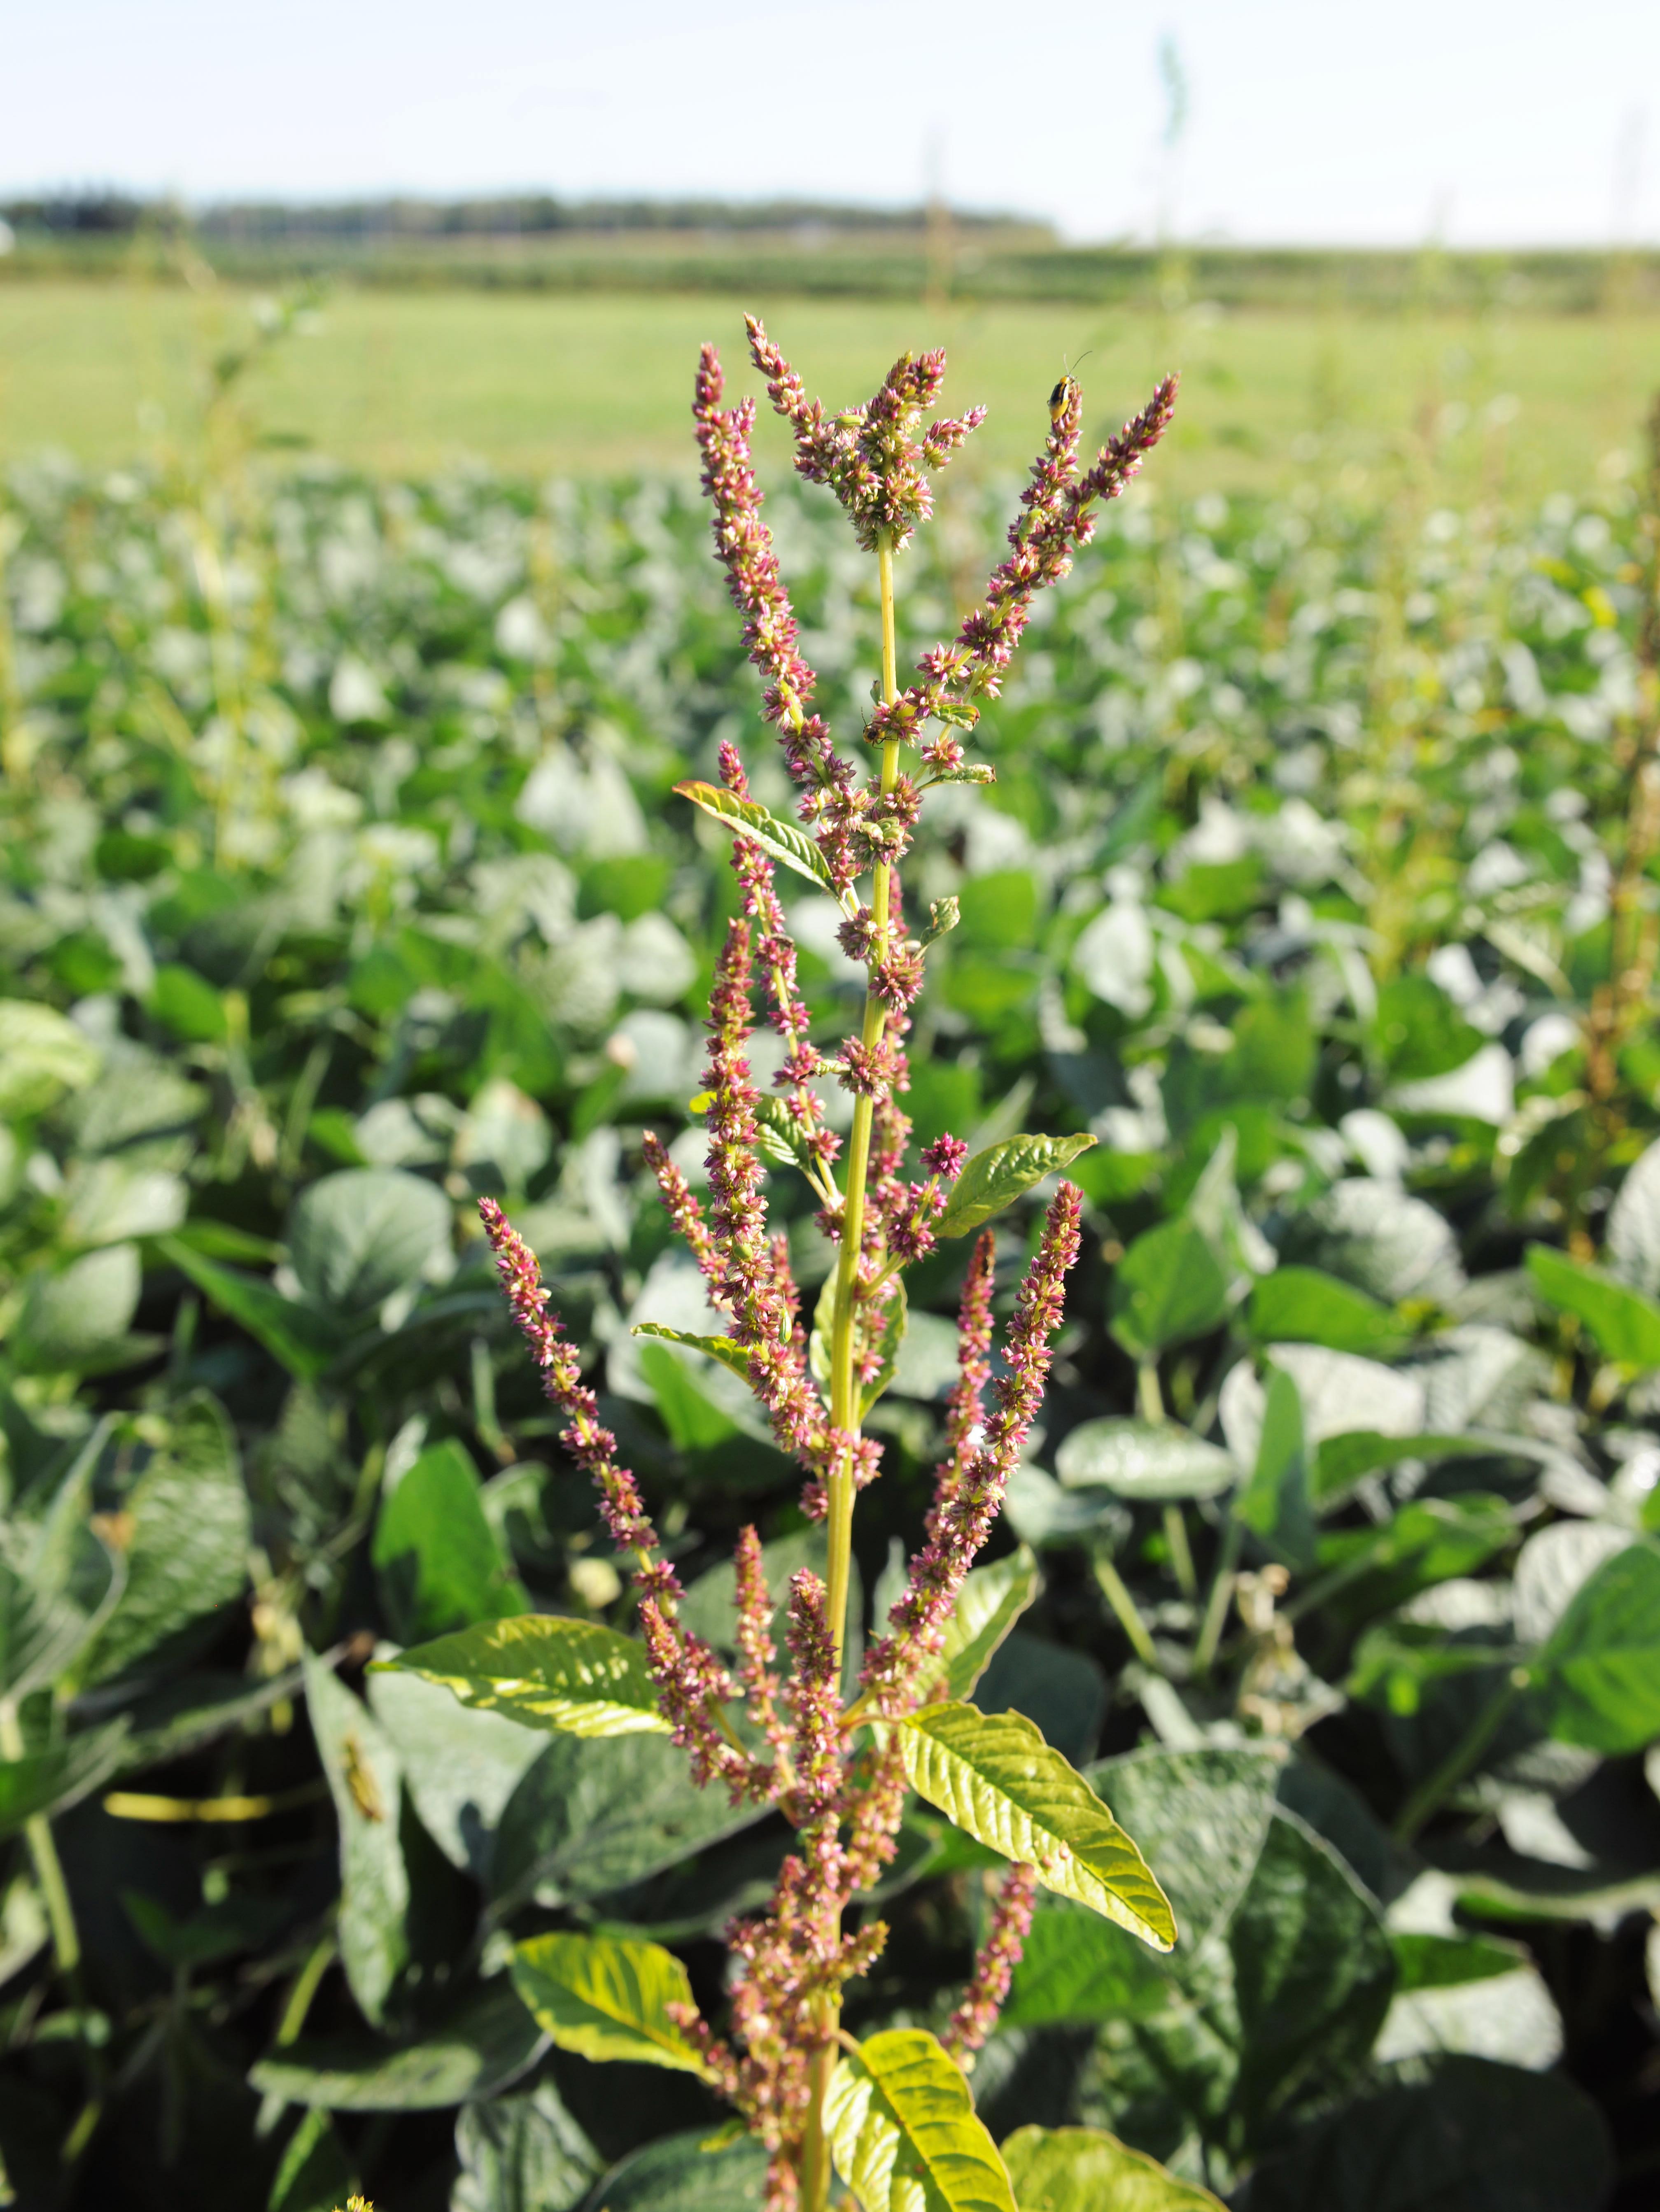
[49, 1872]
[844, 1393]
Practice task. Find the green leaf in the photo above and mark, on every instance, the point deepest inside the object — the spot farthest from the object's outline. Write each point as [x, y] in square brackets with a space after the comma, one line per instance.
[943, 915]
[1169, 1288]
[522, 2154]
[781, 841]
[1274, 1503]
[725, 1349]
[1446, 1962]
[1599, 1675]
[992, 1599]
[436, 1556]
[693, 1420]
[52, 1780]
[365, 1782]
[544, 1671]
[486, 2044]
[779, 1136]
[683, 2174]
[76, 1318]
[1474, 2137]
[315, 2174]
[996, 1177]
[43, 1625]
[1339, 1461]
[187, 1554]
[1144, 1460]
[591, 1817]
[904, 2133]
[1086, 2170]
[1203, 1816]
[460, 1764]
[42, 1055]
[895, 1317]
[1303, 1305]
[1625, 1323]
[297, 1336]
[606, 1997]
[1076, 1967]
[356, 1237]
[993, 1775]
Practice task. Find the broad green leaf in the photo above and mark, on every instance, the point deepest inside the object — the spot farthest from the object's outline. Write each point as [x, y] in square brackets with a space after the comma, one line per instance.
[1074, 1966]
[1625, 1324]
[42, 1055]
[545, 1671]
[781, 841]
[436, 1556]
[591, 1817]
[695, 1421]
[1379, 1238]
[1302, 1306]
[992, 1599]
[1474, 2138]
[1339, 1461]
[483, 2047]
[1144, 1460]
[77, 1318]
[186, 1554]
[996, 1177]
[607, 1998]
[522, 2154]
[1428, 1541]
[1169, 1288]
[52, 1780]
[1061, 1692]
[725, 1349]
[356, 1237]
[1632, 1238]
[683, 2174]
[904, 2133]
[1086, 2170]
[366, 1783]
[460, 1764]
[1042, 1513]
[1599, 1676]
[1203, 1817]
[298, 1337]
[993, 1775]
[1274, 1503]
[43, 1627]
[1445, 1962]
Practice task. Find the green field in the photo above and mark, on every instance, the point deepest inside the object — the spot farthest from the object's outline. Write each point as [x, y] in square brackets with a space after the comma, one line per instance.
[592, 384]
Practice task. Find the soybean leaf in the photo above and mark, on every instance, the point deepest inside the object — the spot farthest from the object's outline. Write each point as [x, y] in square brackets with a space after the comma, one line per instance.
[297, 1336]
[52, 1780]
[592, 1817]
[1429, 1540]
[1472, 2137]
[356, 1237]
[993, 1775]
[992, 1599]
[904, 2133]
[547, 1672]
[1145, 1460]
[1074, 1966]
[607, 1998]
[186, 1551]
[1063, 1691]
[44, 1625]
[725, 1349]
[1274, 1503]
[1086, 2170]
[42, 1054]
[1203, 1816]
[1625, 1322]
[521, 2153]
[1339, 1461]
[781, 841]
[1303, 1305]
[996, 1177]
[365, 1781]
[1169, 1288]
[78, 1317]
[1633, 1238]
[1599, 1675]
[683, 2174]
[461, 1764]
[436, 1557]
[487, 2043]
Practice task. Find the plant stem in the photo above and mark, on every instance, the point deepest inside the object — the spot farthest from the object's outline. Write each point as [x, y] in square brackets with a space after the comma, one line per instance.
[1216, 1606]
[845, 1414]
[49, 1872]
[1181, 1552]
[1123, 1606]
[1427, 1796]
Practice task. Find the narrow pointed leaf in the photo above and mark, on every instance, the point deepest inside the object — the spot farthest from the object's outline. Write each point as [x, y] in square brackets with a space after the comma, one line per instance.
[725, 1349]
[782, 841]
[992, 1599]
[904, 2133]
[606, 1997]
[995, 1776]
[575, 1676]
[996, 1177]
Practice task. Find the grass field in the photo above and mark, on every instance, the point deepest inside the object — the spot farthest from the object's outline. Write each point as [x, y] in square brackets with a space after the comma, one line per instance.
[598, 384]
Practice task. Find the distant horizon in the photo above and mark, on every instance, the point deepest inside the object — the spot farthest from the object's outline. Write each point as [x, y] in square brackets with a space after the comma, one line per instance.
[1282, 123]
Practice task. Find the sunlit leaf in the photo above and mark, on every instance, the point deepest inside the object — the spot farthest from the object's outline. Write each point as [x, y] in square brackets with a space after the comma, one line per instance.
[904, 2132]
[545, 1671]
[781, 841]
[607, 1998]
[996, 1177]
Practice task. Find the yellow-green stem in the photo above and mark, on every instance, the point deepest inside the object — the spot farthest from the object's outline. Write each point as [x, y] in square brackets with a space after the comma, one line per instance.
[54, 1890]
[844, 1391]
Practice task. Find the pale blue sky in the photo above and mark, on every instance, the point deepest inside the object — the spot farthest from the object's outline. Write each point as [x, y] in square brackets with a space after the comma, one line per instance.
[1480, 121]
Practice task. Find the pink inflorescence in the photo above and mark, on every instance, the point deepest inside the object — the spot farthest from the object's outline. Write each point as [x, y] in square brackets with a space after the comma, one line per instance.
[994, 1970]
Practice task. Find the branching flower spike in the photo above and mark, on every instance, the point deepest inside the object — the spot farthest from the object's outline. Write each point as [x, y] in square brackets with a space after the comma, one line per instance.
[839, 1761]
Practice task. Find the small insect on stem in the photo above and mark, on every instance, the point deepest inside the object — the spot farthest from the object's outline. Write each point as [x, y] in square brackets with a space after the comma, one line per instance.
[1066, 392]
